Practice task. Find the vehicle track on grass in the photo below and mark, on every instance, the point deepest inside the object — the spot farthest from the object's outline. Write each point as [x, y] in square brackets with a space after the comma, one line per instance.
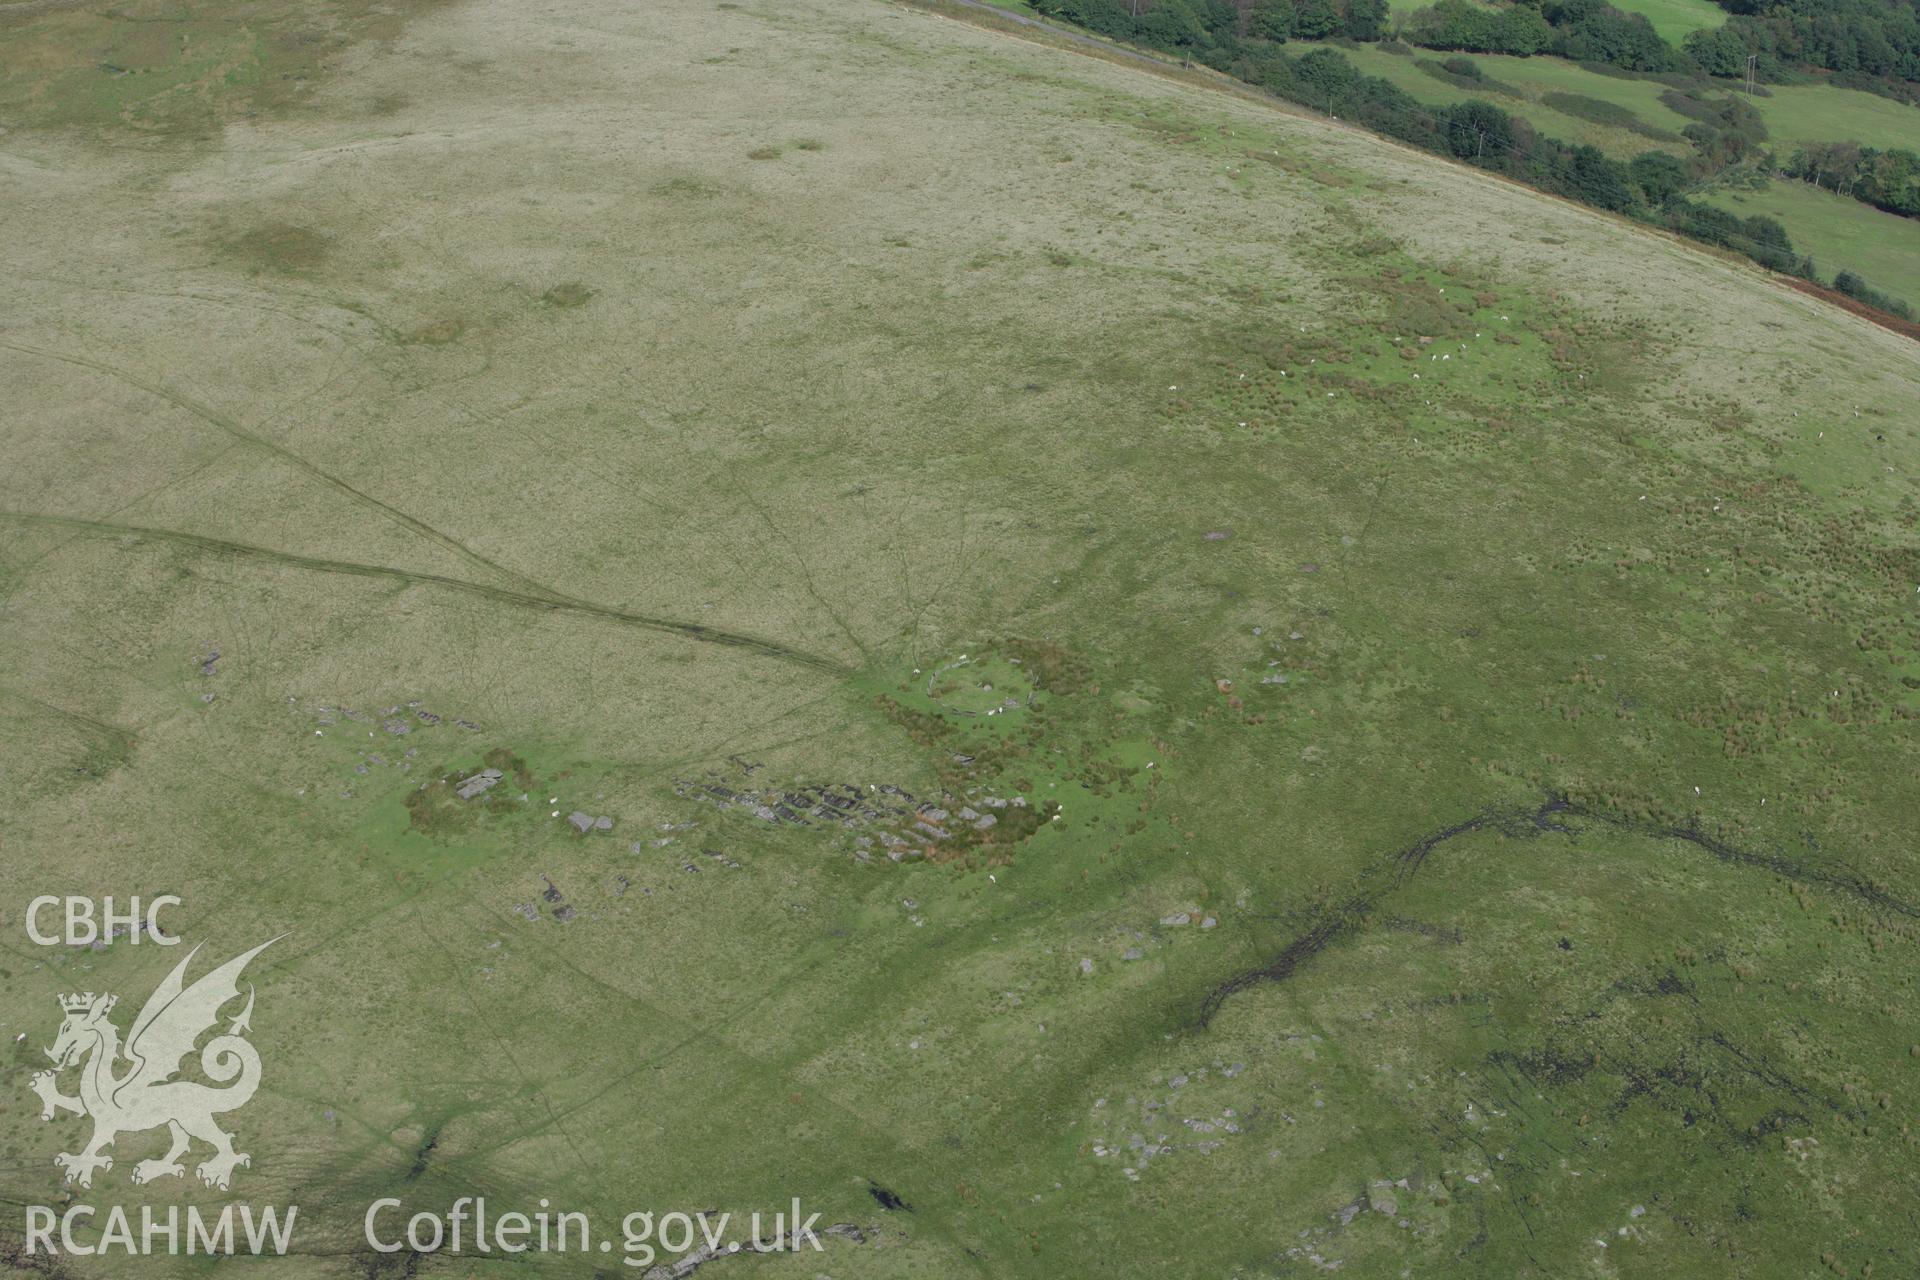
[502, 595]
[214, 418]
[1350, 914]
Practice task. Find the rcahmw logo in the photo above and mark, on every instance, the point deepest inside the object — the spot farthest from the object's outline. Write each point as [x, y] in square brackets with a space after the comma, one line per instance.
[129, 1087]
[165, 1231]
[146, 1095]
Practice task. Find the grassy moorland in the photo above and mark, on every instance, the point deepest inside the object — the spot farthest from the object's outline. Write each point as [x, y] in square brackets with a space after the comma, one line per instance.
[1441, 663]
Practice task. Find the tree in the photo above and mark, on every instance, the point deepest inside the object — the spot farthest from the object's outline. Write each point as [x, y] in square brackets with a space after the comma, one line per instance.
[1522, 31]
[1476, 130]
[1620, 39]
[1271, 20]
[1659, 176]
[1327, 76]
[1171, 24]
[1598, 180]
[1365, 18]
[1855, 287]
[1460, 24]
[1719, 51]
[1766, 232]
[1315, 19]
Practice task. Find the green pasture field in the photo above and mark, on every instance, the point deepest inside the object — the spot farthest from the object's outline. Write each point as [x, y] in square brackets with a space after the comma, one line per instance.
[1839, 232]
[1796, 114]
[1675, 20]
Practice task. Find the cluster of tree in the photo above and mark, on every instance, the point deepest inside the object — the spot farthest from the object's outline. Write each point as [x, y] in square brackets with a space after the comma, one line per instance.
[1859, 290]
[1584, 30]
[1593, 31]
[1723, 130]
[1649, 187]
[1874, 44]
[1871, 44]
[1284, 20]
[1887, 179]
[1760, 238]
[1462, 24]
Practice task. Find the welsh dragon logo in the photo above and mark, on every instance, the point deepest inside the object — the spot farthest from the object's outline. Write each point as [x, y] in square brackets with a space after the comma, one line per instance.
[145, 1095]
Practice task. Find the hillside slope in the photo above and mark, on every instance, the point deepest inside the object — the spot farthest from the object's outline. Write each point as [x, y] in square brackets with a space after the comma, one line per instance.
[1179, 689]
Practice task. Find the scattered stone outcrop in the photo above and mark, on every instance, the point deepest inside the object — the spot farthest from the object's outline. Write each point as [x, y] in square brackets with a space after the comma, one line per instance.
[901, 824]
[478, 784]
